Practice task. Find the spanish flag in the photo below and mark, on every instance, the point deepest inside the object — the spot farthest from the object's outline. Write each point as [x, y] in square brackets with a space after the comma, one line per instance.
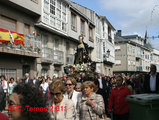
[10, 36]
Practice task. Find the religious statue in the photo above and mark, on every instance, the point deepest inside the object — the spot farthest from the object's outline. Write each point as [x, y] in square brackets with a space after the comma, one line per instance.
[81, 56]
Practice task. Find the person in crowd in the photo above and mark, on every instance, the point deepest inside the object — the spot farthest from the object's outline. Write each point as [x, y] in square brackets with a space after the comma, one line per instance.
[83, 78]
[128, 85]
[40, 80]
[44, 85]
[108, 86]
[98, 90]
[113, 84]
[60, 108]
[103, 86]
[91, 105]
[11, 86]
[48, 80]
[2, 116]
[138, 83]
[6, 79]
[17, 80]
[142, 84]
[36, 81]
[117, 101]
[1, 98]
[53, 78]
[64, 78]
[78, 87]
[28, 103]
[151, 81]
[5, 89]
[71, 93]
[27, 80]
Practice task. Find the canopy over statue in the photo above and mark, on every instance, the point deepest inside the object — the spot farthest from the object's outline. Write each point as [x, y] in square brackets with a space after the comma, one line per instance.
[81, 56]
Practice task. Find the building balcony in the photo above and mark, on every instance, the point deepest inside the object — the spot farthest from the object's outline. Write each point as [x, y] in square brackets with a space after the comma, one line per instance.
[69, 59]
[47, 55]
[108, 59]
[31, 48]
[138, 56]
[58, 57]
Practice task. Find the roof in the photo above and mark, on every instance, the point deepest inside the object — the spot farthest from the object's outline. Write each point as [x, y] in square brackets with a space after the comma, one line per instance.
[129, 36]
[103, 17]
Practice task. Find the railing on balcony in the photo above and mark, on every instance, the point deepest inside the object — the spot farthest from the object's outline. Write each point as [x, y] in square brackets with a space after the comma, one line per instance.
[138, 55]
[69, 59]
[108, 59]
[58, 57]
[32, 45]
[47, 55]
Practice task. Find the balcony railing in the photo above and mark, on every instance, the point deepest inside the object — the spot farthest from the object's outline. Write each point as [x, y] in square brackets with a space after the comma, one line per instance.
[58, 57]
[47, 55]
[69, 59]
[138, 55]
[32, 45]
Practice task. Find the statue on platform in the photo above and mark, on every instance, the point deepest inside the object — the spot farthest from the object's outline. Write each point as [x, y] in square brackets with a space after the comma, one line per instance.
[81, 56]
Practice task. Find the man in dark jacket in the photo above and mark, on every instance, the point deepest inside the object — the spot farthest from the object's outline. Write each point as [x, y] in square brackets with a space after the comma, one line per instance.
[1, 98]
[27, 80]
[151, 81]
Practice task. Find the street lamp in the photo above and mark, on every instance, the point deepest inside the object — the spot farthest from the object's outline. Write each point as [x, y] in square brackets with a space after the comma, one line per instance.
[108, 53]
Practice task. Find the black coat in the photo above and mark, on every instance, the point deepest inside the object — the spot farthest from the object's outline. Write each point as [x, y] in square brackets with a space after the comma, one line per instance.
[146, 86]
[30, 81]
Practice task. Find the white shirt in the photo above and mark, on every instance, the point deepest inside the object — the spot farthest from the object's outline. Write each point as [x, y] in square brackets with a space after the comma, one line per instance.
[44, 86]
[5, 86]
[26, 81]
[100, 83]
[153, 82]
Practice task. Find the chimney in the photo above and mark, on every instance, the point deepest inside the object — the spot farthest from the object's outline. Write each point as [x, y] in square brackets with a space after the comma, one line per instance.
[118, 33]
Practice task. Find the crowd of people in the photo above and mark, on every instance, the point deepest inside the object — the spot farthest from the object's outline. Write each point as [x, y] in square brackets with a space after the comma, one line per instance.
[67, 98]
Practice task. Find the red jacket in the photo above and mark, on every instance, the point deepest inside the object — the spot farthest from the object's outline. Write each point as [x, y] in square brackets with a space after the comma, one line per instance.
[117, 100]
[3, 116]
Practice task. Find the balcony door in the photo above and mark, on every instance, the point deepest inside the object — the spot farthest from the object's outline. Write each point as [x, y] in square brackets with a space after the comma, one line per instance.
[26, 69]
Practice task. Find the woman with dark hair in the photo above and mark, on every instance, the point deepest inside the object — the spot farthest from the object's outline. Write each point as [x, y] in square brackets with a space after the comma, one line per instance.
[11, 86]
[27, 103]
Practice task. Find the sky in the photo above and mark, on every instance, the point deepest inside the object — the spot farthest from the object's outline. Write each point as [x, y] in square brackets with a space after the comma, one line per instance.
[130, 16]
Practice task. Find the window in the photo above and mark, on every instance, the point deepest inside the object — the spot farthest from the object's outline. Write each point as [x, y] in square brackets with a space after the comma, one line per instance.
[58, 9]
[118, 62]
[82, 27]
[67, 47]
[56, 46]
[73, 22]
[98, 48]
[90, 33]
[117, 48]
[52, 7]
[9, 72]
[54, 14]
[26, 29]
[8, 23]
[103, 47]
[44, 41]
